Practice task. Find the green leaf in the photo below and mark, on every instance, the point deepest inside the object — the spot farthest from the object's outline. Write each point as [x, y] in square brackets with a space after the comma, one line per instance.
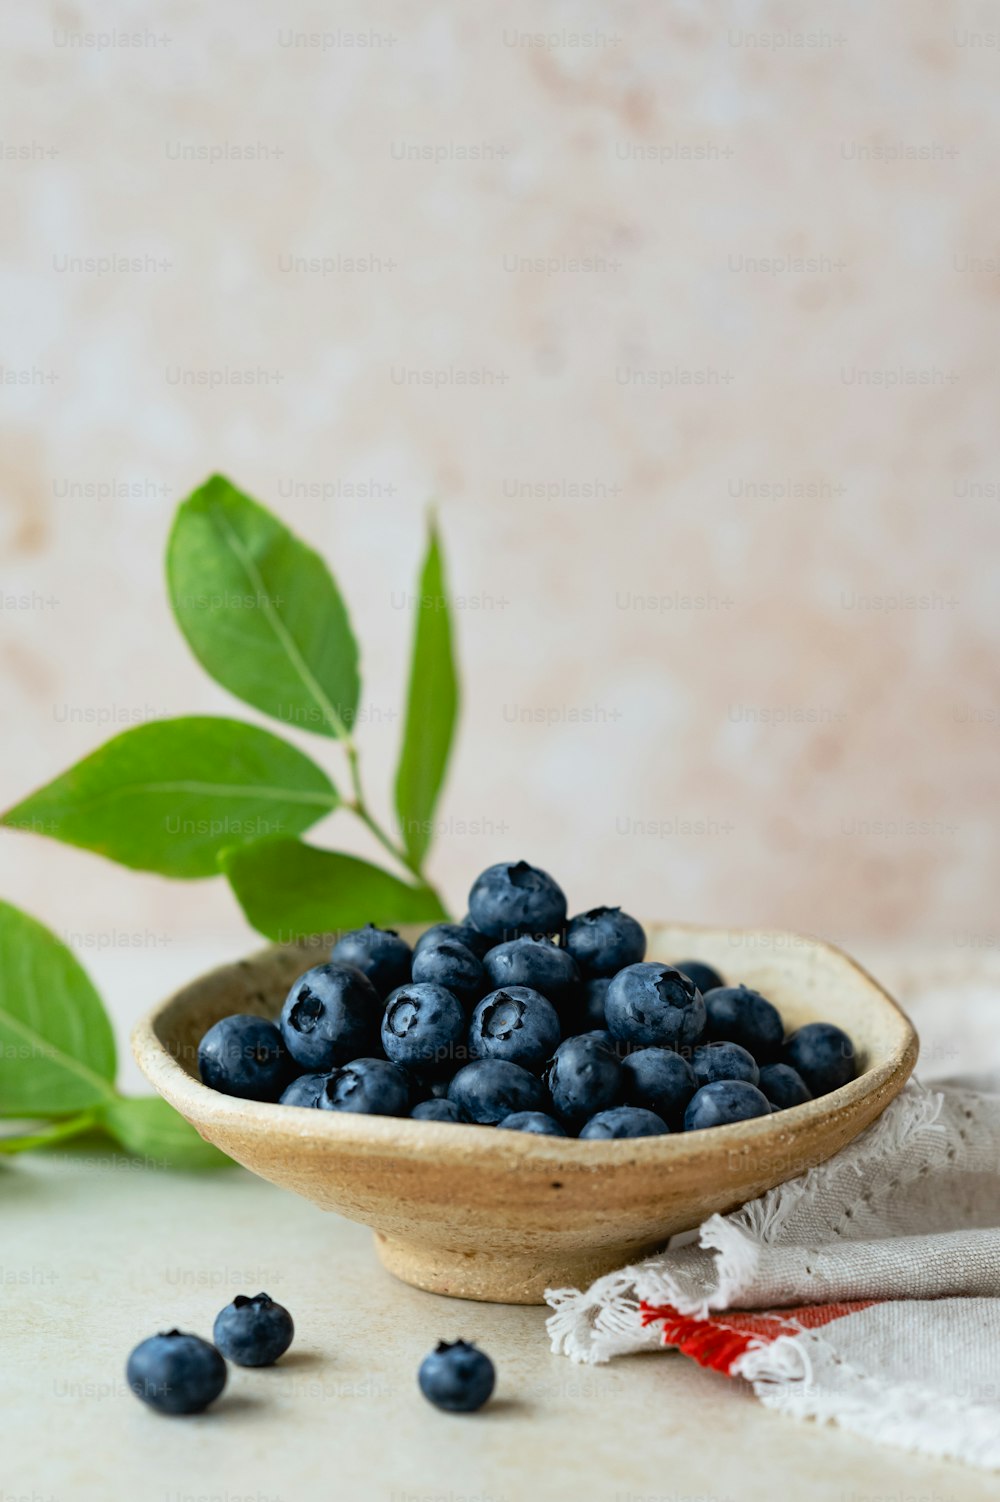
[290, 891]
[149, 1128]
[170, 795]
[261, 611]
[57, 1050]
[431, 711]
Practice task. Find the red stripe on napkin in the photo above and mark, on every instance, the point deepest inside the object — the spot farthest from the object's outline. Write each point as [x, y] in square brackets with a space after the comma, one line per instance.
[721, 1338]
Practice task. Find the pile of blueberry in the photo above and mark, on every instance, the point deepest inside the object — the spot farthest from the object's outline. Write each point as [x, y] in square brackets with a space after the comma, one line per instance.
[520, 1018]
[179, 1373]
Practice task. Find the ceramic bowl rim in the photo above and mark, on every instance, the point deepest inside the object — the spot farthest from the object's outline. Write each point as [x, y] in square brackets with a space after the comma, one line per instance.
[416, 1140]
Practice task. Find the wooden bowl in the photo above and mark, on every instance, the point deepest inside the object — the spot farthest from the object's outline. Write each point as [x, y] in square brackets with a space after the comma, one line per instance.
[482, 1214]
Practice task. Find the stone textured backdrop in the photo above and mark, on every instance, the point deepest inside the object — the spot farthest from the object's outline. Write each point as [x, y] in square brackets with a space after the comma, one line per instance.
[688, 316]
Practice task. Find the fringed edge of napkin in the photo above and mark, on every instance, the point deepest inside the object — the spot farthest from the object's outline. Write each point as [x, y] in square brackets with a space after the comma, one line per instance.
[605, 1320]
[788, 1375]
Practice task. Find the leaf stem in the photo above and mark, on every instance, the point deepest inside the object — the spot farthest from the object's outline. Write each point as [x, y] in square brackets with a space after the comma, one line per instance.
[359, 807]
[58, 1131]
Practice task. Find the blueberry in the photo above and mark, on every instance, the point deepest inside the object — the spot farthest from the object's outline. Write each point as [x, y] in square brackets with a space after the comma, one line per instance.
[423, 1027]
[457, 1377]
[253, 1332]
[508, 900]
[438, 1110]
[537, 963]
[605, 940]
[478, 942]
[823, 1056]
[532, 1121]
[378, 953]
[784, 1086]
[455, 933]
[370, 1086]
[723, 1061]
[245, 1056]
[724, 1101]
[491, 1089]
[624, 1121]
[453, 966]
[654, 1004]
[330, 1016]
[516, 1024]
[739, 1015]
[614, 1045]
[176, 1373]
[659, 1080]
[304, 1091]
[584, 1077]
[705, 977]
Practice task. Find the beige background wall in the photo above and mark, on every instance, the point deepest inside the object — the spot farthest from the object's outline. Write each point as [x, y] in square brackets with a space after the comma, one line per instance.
[725, 507]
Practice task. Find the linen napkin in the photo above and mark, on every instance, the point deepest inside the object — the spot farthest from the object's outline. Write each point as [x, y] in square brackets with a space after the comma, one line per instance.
[865, 1293]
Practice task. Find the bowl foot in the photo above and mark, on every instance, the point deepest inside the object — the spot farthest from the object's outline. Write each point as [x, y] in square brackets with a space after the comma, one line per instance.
[519, 1278]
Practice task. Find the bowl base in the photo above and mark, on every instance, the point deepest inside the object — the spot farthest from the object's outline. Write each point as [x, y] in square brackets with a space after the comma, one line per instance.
[505, 1279]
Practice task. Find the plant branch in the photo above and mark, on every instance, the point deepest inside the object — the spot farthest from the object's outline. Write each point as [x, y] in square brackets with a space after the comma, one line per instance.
[359, 807]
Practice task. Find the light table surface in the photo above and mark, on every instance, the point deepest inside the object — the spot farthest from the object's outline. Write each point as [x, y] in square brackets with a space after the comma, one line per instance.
[97, 1253]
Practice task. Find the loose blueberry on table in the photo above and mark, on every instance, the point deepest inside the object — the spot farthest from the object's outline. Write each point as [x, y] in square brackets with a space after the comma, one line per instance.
[176, 1373]
[457, 1377]
[253, 1331]
[520, 1019]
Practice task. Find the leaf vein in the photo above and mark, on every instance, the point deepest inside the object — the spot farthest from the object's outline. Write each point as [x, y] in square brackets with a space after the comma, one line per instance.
[55, 1053]
[278, 626]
